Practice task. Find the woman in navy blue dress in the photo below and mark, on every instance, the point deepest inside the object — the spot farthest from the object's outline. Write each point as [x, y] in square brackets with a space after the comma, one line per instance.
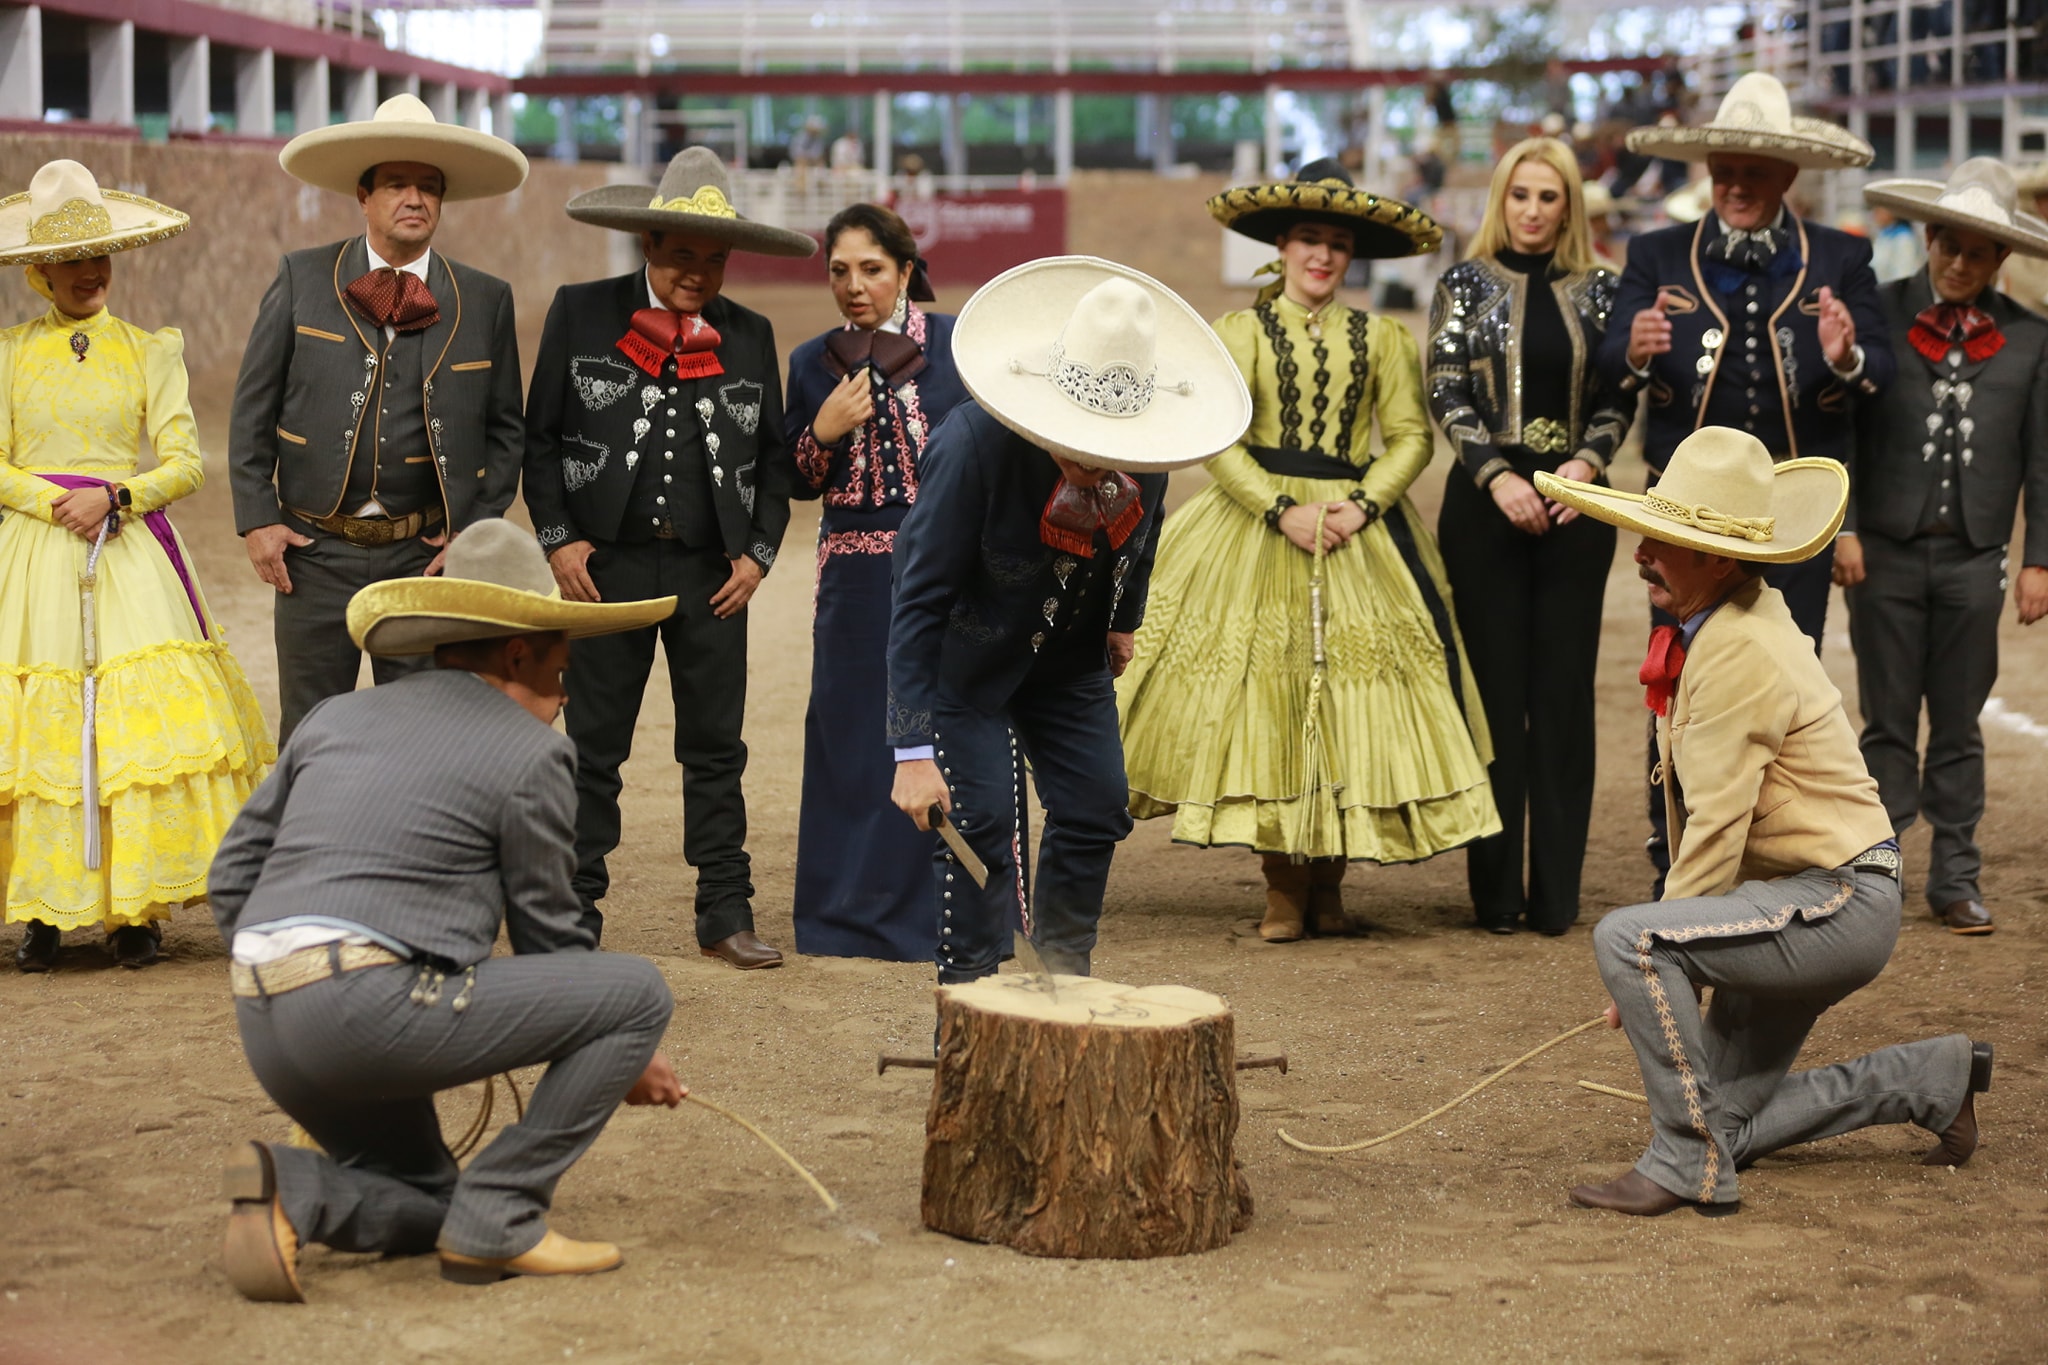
[863, 400]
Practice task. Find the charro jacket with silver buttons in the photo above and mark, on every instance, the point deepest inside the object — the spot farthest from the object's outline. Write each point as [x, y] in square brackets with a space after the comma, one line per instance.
[1476, 336]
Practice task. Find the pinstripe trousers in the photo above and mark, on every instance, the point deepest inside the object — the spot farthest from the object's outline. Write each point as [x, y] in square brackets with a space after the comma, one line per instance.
[356, 1061]
[1778, 954]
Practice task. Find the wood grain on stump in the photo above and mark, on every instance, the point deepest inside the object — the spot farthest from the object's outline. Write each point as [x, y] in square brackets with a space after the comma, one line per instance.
[1097, 1126]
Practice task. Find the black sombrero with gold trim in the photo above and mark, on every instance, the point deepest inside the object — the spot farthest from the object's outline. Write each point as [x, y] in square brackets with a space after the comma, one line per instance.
[1322, 192]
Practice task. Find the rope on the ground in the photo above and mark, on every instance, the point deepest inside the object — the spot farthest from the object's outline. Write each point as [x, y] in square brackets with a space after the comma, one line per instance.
[1600, 1089]
[1296, 1143]
[831, 1204]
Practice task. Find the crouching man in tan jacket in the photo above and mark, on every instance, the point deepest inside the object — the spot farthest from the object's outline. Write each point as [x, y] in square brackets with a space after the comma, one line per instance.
[1784, 886]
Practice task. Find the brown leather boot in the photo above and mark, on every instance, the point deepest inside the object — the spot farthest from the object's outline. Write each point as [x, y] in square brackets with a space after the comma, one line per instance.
[1287, 890]
[1326, 896]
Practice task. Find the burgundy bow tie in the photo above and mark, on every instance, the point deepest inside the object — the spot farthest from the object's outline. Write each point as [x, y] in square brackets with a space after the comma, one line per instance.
[659, 333]
[1074, 514]
[895, 357]
[1661, 667]
[1939, 329]
[394, 298]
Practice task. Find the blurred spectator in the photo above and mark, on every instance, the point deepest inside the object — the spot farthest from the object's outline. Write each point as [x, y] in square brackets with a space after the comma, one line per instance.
[847, 152]
[1895, 250]
[807, 148]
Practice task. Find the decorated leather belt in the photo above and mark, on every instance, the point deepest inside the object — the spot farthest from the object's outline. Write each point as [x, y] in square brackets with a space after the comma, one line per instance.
[1882, 858]
[1304, 464]
[372, 532]
[305, 967]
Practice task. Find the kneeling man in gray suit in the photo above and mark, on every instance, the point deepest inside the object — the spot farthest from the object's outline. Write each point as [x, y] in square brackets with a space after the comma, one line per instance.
[361, 891]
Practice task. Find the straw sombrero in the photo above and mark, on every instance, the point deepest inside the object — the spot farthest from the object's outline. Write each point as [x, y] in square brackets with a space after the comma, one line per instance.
[1980, 196]
[473, 165]
[1690, 204]
[1756, 119]
[2032, 181]
[694, 197]
[64, 215]
[1100, 363]
[1322, 192]
[1722, 494]
[1599, 199]
[497, 582]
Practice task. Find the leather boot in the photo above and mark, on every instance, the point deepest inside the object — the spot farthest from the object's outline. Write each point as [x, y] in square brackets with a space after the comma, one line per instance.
[1287, 889]
[1326, 896]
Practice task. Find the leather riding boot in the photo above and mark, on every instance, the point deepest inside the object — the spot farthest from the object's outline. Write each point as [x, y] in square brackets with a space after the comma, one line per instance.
[1326, 896]
[1287, 889]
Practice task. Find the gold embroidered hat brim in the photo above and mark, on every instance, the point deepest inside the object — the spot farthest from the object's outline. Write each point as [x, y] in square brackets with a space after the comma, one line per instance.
[406, 616]
[1808, 499]
[627, 208]
[1382, 228]
[1915, 199]
[133, 221]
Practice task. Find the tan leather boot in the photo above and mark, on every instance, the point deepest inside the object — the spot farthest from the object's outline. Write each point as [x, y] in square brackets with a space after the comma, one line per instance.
[1326, 896]
[554, 1254]
[1286, 898]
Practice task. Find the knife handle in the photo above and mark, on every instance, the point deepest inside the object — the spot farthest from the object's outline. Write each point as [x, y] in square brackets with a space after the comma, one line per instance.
[936, 817]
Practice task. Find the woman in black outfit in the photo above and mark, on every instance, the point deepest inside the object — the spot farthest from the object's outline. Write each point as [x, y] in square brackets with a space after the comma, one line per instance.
[1511, 380]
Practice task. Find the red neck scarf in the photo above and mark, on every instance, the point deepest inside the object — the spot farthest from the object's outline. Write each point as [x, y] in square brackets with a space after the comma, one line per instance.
[1939, 329]
[1659, 674]
[660, 333]
[1073, 514]
[394, 298]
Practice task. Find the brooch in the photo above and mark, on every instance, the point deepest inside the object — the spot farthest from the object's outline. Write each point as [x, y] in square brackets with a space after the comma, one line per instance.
[79, 342]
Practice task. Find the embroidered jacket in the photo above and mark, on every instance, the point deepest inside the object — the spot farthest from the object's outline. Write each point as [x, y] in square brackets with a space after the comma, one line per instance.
[1476, 335]
[874, 465]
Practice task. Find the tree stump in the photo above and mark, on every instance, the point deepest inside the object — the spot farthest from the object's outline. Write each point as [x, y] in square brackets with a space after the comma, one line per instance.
[1097, 1126]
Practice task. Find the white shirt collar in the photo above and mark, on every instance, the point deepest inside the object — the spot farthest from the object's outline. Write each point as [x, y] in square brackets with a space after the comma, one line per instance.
[418, 267]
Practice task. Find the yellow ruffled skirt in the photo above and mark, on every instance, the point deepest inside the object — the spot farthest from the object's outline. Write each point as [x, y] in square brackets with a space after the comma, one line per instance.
[1214, 704]
[181, 740]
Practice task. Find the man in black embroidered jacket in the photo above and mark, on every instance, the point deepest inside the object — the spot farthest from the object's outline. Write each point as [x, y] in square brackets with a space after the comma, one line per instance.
[655, 466]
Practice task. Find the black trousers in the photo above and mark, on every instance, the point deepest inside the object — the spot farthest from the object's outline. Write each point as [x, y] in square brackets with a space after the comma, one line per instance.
[707, 666]
[315, 658]
[1925, 625]
[1529, 609]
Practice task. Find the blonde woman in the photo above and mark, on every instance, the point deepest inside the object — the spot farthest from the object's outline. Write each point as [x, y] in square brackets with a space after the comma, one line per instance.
[1512, 381]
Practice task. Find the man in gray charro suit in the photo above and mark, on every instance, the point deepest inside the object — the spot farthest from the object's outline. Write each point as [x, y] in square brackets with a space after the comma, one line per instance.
[1942, 458]
[378, 410]
[361, 890]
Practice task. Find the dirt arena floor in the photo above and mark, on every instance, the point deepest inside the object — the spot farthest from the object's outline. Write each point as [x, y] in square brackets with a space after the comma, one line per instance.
[123, 1091]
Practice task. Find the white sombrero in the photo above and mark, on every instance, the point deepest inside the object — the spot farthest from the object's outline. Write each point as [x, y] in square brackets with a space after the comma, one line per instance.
[1981, 196]
[497, 582]
[1722, 494]
[1100, 363]
[64, 215]
[473, 165]
[1756, 119]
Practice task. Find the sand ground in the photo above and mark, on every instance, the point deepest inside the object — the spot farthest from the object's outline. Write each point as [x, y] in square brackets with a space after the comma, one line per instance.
[120, 1092]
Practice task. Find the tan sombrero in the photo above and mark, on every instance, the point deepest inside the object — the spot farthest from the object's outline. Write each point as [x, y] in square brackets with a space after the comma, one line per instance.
[1690, 204]
[1722, 494]
[64, 215]
[497, 582]
[473, 165]
[1756, 119]
[1100, 363]
[1980, 196]
[1322, 192]
[2031, 181]
[695, 197]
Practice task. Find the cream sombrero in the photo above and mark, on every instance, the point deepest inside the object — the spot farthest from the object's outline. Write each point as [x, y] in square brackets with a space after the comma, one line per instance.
[1690, 204]
[64, 215]
[473, 165]
[1722, 494]
[1322, 192]
[1980, 196]
[1100, 363]
[497, 582]
[2032, 181]
[695, 197]
[1756, 119]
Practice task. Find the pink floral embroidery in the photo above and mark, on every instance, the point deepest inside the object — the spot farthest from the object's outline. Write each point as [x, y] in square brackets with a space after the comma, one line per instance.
[848, 543]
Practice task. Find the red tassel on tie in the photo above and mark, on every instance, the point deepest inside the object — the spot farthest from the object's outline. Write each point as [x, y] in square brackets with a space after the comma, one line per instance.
[1661, 667]
[658, 333]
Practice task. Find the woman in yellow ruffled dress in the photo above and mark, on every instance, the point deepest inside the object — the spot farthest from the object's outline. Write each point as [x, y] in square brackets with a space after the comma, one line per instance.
[179, 740]
[1226, 724]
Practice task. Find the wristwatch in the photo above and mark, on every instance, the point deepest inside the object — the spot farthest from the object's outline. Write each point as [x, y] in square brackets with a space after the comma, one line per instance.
[118, 496]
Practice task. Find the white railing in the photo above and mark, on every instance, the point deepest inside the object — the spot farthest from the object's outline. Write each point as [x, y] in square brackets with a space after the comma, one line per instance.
[806, 200]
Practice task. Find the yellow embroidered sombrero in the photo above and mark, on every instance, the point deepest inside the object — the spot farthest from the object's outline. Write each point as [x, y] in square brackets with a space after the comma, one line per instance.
[1722, 494]
[64, 215]
[473, 165]
[694, 197]
[1322, 192]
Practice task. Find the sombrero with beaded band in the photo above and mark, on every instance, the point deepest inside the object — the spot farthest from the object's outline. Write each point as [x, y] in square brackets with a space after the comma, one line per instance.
[64, 215]
[1756, 119]
[694, 197]
[1322, 192]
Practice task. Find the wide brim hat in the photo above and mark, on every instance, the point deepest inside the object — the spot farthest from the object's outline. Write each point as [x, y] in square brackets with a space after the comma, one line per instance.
[1322, 192]
[473, 165]
[1690, 204]
[496, 583]
[64, 215]
[1756, 119]
[1980, 196]
[1722, 494]
[1026, 348]
[694, 197]
[2032, 181]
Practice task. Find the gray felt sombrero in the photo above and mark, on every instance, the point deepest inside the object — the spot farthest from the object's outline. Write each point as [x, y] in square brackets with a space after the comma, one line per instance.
[1981, 196]
[694, 197]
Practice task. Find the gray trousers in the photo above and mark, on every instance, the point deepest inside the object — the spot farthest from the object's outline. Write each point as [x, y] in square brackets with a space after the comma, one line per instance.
[315, 658]
[1778, 953]
[357, 1063]
[1925, 626]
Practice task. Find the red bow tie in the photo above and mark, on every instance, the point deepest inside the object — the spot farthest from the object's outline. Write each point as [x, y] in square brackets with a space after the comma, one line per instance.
[1665, 661]
[394, 298]
[659, 333]
[1941, 328]
[1073, 514]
